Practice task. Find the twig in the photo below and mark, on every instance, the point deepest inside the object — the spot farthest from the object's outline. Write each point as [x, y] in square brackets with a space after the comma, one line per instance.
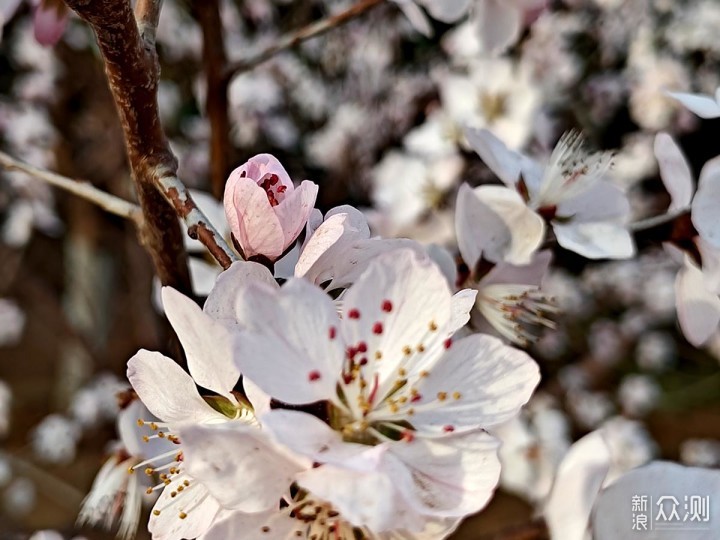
[198, 226]
[147, 14]
[207, 13]
[85, 190]
[296, 37]
[656, 221]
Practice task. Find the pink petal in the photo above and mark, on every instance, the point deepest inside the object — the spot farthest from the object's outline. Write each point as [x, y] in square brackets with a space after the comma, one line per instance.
[252, 219]
[295, 209]
[492, 379]
[238, 465]
[261, 165]
[209, 347]
[578, 481]
[705, 215]
[49, 22]
[166, 390]
[674, 172]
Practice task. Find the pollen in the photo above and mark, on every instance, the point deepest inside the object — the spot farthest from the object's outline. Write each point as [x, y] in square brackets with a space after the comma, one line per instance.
[448, 429]
[442, 396]
[407, 351]
[182, 515]
[378, 355]
[433, 326]
[140, 422]
[354, 314]
[447, 343]
[457, 395]
[156, 512]
[377, 328]
[387, 306]
[314, 376]
[421, 348]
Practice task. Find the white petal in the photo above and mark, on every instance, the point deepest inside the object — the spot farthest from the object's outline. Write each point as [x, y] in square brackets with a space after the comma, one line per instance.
[220, 304]
[448, 11]
[257, 526]
[131, 435]
[698, 308]
[495, 223]
[710, 264]
[201, 510]
[674, 172]
[613, 515]
[530, 274]
[577, 484]
[493, 381]
[363, 498]
[288, 349]
[702, 105]
[209, 347]
[166, 390]
[462, 305]
[416, 16]
[203, 275]
[445, 261]
[499, 23]
[705, 215]
[452, 476]
[596, 240]
[602, 202]
[505, 163]
[415, 293]
[238, 465]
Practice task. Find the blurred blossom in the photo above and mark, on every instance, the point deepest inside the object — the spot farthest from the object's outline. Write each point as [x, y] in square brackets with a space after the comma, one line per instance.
[553, 345]
[97, 401]
[605, 342]
[656, 351]
[55, 439]
[6, 473]
[569, 292]
[700, 453]
[329, 146]
[694, 27]
[635, 161]
[638, 394]
[19, 497]
[630, 445]
[12, 322]
[589, 409]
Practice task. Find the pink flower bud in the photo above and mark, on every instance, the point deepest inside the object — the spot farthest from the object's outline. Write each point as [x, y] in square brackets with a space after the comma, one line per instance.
[49, 21]
[265, 211]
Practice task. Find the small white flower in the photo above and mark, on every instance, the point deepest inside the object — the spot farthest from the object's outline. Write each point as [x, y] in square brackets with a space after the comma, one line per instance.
[55, 439]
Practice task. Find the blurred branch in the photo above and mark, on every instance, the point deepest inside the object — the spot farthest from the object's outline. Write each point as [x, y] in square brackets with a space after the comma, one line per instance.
[198, 226]
[85, 190]
[296, 37]
[63, 493]
[207, 13]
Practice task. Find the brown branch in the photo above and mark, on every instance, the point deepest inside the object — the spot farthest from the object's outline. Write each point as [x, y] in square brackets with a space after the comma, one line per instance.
[198, 226]
[132, 74]
[147, 14]
[296, 37]
[85, 190]
[207, 13]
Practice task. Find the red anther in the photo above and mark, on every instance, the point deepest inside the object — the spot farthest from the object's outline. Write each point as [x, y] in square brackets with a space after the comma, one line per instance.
[314, 376]
[362, 347]
[408, 436]
[377, 328]
[387, 306]
[448, 343]
[448, 429]
[416, 398]
[350, 352]
[354, 314]
[347, 378]
[273, 179]
[363, 361]
[281, 189]
[332, 332]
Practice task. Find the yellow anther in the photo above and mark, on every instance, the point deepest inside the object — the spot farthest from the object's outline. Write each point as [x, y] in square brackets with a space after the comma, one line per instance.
[394, 408]
[186, 483]
[424, 373]
[457, 395]
[161, 435]
[182, 515]
[433, 326]
[407, 350]
[156, 512]
[402, 372]
[173, 494]
[149, 471]
[180, 488]
[410, 411]
[131, 470]
[421, 348]
[146, 438]
[378, 355]
[140, 422]
[149, 491]
[442, 396]
[154, 426]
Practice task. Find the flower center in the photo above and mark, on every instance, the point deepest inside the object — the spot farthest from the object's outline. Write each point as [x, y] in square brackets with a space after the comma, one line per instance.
[493, 105]
[274, 189]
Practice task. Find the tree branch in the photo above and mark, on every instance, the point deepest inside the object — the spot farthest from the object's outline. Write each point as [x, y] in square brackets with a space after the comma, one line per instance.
[207, 13]
[147, 14]
[85, 190]
[198, 226]
[296, 37]
[132, 74]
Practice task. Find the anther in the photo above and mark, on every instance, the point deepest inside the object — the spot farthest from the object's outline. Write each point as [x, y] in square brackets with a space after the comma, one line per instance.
[387, 306]
[354, 314]
[314, 376]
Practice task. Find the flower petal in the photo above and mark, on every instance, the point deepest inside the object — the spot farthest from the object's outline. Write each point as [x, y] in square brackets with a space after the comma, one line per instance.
[203, 275]
[49, 22]
[252, 219]
[256, 526]
[698, 309]
[495, 223]
[289, 349]
[238, 465]
[220, 303]
[447, 11]
[577, 483]
[614, 506]
[209, 346]
[485, 383]
[705, 215]
[293, 212]
[167, 391]
[529, 274]
[596, 240]
[499, 23]
[505, 163]
[702, 105]
[416, 16]
[674, 172]
[453, 476]
[201, 510]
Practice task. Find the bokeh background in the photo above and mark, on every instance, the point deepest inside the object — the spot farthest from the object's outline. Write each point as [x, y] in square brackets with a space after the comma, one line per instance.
[373, 112]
